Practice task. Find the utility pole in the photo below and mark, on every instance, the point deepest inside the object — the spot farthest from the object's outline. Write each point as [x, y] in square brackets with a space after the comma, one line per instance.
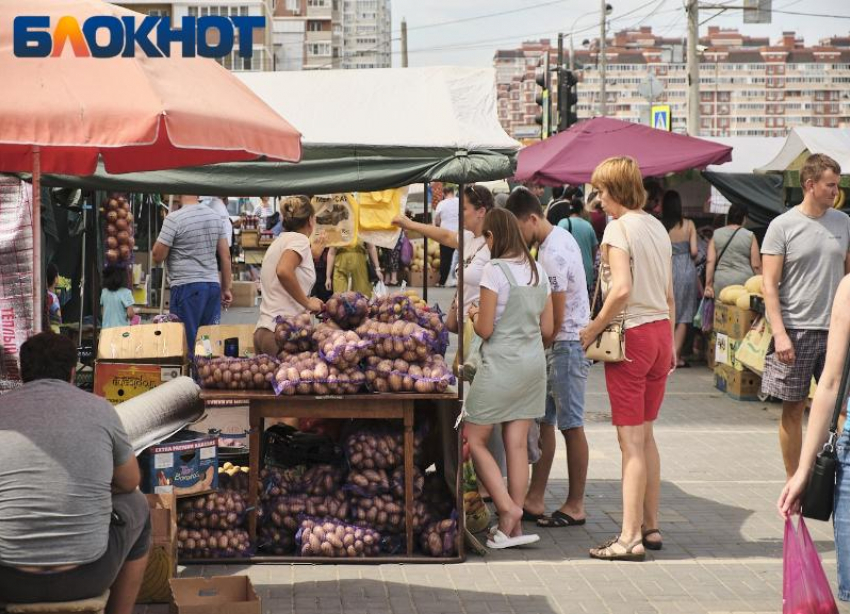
[603, 96]
[404, 43]
[693, 68]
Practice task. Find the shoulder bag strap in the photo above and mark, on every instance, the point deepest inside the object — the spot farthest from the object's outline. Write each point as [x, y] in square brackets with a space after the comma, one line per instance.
[507, 271]
[728, 243]
[839, 404]
[598, 290]
[570, 223]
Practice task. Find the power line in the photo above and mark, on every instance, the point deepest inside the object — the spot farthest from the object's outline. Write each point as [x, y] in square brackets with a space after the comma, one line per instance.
[485, 16]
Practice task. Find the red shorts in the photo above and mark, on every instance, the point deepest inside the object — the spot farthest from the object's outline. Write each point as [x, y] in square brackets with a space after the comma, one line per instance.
[636, 386]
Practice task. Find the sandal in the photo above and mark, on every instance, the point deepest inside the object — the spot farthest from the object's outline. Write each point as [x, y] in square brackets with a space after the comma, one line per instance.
[558, 520]
[615, 550]
[652, 545]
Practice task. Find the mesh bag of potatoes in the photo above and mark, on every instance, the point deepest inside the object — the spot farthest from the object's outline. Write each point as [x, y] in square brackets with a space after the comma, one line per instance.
[213, 544]
[223, 373]
[332, 538]
[284, 512]
[294, 334]
[347, 309]
[225, 509]
[385, 513]
[399, 339]
[439, 539]
[313, 480]
[341, 348]
[118, 230]
[380, 446]
[425, 376]
[307, 373]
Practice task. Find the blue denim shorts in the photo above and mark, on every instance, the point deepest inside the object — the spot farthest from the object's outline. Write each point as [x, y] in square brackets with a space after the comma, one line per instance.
[567, 370]
[841, 516]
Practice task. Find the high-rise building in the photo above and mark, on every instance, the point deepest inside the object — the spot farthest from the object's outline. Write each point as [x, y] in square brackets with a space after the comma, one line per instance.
[367, 34]
[307, 34]
[262, 58]
[748, 87]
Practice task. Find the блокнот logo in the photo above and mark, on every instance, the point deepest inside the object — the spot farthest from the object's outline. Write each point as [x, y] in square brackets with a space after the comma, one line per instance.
[33, 37]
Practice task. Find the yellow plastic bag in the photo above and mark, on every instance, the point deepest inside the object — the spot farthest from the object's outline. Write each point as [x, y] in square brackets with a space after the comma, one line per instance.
[377, 209]
[336, 216]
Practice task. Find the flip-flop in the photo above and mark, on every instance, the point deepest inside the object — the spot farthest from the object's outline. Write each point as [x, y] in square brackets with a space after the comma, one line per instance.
[500, 541]
[529, 517]
[652, 545]
[558, 520]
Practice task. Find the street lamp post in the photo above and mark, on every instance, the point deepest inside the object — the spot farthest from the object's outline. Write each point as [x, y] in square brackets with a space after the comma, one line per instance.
[603, 96]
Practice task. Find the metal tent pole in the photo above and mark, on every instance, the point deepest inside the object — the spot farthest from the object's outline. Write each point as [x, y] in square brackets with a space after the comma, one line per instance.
[37, 299]
[427, 219]
[461, 314]
[83, 274]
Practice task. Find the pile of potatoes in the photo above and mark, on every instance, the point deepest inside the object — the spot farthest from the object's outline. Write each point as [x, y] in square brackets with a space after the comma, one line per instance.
[294, 334]
[347, 309]
[284, 512]
[397, 482]
[119, 239]
[222, 510]
[256, 373]
[371, 482]
[313, 480]
[399, 339]
[342, 348]
[385, 513]
[211, 544]
[429, 375]
[307, 373]
[382, 448]
[233, 477]
[274, 541]
[331, 538]
[392, 307]
[440, 538]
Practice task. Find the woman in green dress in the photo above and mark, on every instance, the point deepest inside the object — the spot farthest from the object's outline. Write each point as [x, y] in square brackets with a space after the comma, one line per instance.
[509, 389]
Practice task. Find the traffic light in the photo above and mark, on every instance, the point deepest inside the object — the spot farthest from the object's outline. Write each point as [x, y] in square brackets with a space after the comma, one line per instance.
[543, 98]
[567, 99]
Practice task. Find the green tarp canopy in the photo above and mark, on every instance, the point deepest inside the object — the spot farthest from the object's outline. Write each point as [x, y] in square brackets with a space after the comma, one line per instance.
[363, 130]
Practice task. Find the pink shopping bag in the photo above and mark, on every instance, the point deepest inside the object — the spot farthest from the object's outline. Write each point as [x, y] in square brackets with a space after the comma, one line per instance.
[805, 589]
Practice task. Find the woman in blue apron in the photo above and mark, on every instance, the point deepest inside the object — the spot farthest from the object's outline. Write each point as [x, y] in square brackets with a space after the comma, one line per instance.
[509, 389]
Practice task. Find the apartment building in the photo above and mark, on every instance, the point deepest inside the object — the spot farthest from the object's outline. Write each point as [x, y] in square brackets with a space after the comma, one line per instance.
[366, 28]
[308, 34]
[748, 86]
[263, 56]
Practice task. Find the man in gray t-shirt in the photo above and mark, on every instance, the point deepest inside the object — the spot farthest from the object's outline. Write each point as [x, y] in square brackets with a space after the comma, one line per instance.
[72, 521]
[191, 240]
[805, 255]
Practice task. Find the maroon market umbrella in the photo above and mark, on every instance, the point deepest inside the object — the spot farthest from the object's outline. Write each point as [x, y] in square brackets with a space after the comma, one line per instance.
[571, 156]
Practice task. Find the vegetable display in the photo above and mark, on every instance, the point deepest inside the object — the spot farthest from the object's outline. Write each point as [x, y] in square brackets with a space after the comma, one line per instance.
[118, 229]
[346, 309]
[331, 538]
[294, 334]
[212, 544]
[223, 373]
[440, 538]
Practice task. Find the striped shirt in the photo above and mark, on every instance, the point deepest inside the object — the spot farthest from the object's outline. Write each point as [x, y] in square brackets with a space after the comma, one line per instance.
[192, 233]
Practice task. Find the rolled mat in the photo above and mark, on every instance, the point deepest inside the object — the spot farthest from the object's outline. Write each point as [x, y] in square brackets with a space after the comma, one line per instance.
[159, 413]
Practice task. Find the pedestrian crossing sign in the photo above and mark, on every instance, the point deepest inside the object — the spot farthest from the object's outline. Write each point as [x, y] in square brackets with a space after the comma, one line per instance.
[661, 117]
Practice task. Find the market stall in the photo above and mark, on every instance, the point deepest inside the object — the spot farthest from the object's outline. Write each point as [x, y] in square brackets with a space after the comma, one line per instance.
[425, 125]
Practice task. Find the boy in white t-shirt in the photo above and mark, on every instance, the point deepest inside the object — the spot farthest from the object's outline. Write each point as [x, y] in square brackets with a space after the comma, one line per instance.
[567, 367]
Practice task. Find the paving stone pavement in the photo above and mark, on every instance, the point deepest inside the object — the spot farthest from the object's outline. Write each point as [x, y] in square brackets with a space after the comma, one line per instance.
[722, 472]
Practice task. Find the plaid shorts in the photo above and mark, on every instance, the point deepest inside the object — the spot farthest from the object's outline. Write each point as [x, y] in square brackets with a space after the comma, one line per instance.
[792, 382]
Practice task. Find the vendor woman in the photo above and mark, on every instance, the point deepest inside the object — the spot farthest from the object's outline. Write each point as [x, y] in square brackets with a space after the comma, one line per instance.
[288, 274]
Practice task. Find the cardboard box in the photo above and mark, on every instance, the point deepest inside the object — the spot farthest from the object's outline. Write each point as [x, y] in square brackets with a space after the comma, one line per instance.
[250, 238]
[162, 562]
[725, 350]
[185, 465]
[216, 595]
[210, 339]
[753, 348]
[120, 381]
[146, 343]
[417, 278]
[731, 321]
[231, 422]
[740, 385]
[244, 294]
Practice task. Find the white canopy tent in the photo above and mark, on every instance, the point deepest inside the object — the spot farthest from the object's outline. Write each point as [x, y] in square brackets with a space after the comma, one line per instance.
[802, 142]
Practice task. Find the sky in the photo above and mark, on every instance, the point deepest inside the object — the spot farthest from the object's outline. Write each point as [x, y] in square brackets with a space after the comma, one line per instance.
[477, 33]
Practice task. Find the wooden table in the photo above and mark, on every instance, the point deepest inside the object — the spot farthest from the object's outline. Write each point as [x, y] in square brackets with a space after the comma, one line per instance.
[391, 406]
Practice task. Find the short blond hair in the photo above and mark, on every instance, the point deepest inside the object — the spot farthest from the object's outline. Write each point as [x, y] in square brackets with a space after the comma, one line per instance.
[621, 178]
[815, 166]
